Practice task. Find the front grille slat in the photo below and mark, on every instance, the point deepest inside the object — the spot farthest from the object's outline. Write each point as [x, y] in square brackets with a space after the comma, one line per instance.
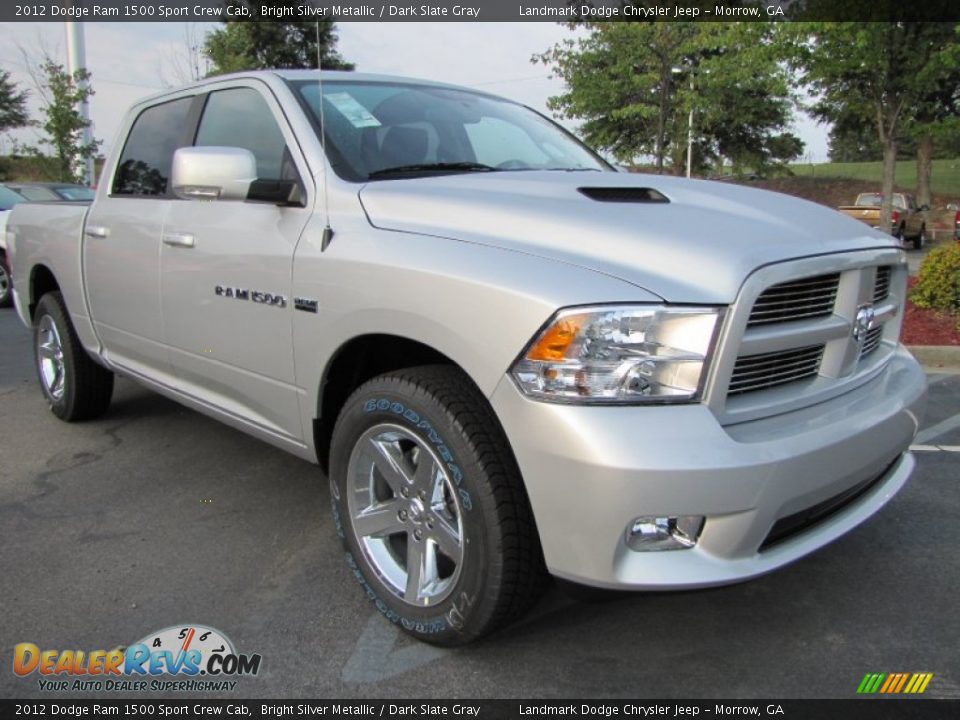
[767, 370]
[796, 300]
[881, 289]
[872, 341]
[774, 369]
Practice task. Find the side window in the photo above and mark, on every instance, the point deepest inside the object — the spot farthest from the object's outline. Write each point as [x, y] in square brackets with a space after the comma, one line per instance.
[144, 167]
[241, 118]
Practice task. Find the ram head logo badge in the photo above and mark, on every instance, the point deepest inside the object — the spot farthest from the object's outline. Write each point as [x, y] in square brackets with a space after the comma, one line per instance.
[863, 323]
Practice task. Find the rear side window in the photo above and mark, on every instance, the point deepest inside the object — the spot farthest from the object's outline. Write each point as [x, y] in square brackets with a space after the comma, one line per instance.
[241, 118]
[144, 167]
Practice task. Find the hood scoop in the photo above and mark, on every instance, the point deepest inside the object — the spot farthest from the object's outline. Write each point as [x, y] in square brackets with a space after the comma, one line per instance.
[624, 195]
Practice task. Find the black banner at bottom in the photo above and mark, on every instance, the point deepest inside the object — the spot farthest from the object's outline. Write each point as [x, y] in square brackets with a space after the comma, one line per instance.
[854, 709]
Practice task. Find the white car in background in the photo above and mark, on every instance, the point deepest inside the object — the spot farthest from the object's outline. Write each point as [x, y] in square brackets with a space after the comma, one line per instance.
[8, 198]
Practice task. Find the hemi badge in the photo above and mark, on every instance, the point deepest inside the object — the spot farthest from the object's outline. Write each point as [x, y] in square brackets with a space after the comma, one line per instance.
[305, 305]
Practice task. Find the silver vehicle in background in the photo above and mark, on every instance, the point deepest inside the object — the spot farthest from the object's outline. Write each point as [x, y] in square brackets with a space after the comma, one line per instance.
[510, 360]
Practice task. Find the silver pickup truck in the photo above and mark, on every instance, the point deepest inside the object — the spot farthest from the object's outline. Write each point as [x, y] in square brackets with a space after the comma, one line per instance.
[510, 360]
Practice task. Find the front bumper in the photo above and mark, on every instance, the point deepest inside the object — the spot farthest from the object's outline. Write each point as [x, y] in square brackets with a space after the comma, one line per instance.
[590, 471]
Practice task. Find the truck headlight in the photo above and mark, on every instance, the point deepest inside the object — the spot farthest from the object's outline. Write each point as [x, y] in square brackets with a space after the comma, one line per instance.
[620, 354]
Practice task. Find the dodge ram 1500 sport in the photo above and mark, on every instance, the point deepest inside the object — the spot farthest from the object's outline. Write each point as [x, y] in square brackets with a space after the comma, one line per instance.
[509, 359]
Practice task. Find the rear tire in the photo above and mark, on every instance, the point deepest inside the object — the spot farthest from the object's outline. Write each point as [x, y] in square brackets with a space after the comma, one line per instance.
[74, 385]
[920, 240]
[430, 506]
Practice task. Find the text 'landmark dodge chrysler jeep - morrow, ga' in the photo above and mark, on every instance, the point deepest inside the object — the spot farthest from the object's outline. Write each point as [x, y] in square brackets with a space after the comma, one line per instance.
[510, 359]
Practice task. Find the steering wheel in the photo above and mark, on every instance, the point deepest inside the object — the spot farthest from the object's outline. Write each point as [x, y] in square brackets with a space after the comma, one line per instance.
[512, 164]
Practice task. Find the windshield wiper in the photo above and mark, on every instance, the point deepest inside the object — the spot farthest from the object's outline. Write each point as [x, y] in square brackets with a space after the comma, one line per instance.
[431, 167]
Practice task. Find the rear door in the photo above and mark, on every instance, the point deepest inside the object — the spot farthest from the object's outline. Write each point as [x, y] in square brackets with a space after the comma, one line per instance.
[227, 267]
[121, 247]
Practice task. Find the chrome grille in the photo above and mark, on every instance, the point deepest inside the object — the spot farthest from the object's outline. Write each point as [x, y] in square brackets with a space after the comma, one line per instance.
[881, 289]
[766, 370]
[796, 300]
[871, 341]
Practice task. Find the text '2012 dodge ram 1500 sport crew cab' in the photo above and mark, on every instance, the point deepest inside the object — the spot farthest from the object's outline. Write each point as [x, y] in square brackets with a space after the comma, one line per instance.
[511, 360]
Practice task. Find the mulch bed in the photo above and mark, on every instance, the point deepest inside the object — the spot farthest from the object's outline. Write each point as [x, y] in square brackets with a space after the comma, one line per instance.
[928, 327]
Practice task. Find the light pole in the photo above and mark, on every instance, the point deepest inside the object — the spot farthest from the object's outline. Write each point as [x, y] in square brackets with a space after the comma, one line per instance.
[690, 130]
[77, 60]
[689, 69]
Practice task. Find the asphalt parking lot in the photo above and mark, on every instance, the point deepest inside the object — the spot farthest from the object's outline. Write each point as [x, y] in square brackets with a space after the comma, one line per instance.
[156, 516]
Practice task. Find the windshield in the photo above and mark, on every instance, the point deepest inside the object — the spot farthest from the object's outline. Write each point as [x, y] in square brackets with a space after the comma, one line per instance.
[387, 130]
[8, 198]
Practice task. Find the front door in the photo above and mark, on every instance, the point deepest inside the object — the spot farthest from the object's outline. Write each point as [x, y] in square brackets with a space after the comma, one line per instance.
[226, 272]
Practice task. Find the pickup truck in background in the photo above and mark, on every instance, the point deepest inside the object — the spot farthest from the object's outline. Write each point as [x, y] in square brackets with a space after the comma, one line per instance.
[509, 359]
[908, 221]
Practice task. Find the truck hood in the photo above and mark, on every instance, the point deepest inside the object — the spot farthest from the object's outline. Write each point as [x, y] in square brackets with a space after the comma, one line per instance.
[697, 248]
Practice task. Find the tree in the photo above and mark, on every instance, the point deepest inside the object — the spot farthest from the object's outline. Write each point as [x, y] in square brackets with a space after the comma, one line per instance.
[634, 85]
[742, 96]
[879, 71]
[622, 84]
[62, 94]
[936, 116]
[257, 43]
[13, 104]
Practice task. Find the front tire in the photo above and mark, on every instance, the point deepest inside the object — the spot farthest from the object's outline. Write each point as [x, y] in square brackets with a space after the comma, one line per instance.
[74, 385]
[431, 508]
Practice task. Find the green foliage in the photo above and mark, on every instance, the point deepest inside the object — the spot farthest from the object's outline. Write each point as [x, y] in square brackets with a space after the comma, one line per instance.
[938, 282]
[634, 84]
[28, 168]
[257, 43]
[63, 94]
[945, 178]
[13, 104]
[884, 74]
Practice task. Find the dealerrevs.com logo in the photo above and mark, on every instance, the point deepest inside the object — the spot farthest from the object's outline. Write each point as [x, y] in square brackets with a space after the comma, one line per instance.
[188, 658]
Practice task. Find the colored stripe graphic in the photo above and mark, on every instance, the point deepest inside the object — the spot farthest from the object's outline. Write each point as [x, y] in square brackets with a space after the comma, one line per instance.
[894, 683]
[870, 683]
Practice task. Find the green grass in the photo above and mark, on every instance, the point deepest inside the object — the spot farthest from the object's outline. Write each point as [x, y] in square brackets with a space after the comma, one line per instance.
[945, 178]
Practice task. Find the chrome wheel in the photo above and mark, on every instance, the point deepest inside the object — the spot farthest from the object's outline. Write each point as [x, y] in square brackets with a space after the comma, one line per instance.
[405, 514]
[50, 358]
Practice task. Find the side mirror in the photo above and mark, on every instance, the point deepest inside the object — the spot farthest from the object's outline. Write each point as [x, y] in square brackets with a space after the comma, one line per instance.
[212, 173]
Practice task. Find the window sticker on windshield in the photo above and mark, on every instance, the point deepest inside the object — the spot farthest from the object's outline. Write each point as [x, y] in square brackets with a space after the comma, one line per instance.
[356, 113]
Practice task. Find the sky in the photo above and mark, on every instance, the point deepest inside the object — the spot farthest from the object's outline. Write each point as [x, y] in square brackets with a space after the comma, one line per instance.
[129, 61]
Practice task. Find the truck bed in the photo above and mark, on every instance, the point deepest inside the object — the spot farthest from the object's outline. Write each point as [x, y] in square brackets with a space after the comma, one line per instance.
[48, 234]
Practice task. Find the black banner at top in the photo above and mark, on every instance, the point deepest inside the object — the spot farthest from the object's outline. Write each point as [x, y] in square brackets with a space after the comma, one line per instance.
[477, 10]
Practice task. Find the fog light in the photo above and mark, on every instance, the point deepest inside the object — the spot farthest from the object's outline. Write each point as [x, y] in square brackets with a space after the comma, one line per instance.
[652, 534]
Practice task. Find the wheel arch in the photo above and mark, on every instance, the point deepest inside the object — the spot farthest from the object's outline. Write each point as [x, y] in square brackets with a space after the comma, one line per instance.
[42, 281]
[357, 360]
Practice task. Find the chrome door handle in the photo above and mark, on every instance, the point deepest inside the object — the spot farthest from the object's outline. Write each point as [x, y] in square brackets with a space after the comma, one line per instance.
[96, 231]
[177, 239]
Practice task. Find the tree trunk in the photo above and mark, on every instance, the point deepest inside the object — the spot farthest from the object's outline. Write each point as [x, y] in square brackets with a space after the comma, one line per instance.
[889, 169]
[924, 168]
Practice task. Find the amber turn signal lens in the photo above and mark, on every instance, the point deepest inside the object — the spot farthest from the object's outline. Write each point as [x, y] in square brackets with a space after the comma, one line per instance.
[554, 341]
